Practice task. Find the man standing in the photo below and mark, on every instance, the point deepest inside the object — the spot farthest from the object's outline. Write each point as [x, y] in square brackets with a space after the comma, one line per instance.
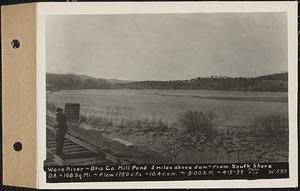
[61, 130]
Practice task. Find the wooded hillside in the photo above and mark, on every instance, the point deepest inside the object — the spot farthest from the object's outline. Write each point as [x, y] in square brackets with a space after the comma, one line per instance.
[274, 82]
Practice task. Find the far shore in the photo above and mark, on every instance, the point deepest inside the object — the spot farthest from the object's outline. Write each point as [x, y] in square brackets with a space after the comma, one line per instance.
[256, 99]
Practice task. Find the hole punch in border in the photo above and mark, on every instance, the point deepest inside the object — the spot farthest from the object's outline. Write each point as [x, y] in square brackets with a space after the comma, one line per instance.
[17, 146]
[15, 44]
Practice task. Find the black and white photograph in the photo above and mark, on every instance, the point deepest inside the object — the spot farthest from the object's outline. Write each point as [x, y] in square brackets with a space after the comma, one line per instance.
[167, 88]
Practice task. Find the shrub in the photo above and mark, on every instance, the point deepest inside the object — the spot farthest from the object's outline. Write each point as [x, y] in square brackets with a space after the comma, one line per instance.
[271, 125]
[160, 124]
[83, 118]
[51, 106]
[198, 121]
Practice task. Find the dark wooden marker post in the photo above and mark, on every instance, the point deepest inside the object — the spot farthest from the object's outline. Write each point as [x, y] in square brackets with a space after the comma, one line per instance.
[72, 112]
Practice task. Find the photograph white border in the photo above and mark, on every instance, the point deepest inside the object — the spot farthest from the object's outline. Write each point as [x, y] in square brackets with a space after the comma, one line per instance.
[91, 8]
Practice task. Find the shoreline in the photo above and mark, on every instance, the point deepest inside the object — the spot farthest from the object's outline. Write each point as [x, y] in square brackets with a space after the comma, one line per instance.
[254, 99]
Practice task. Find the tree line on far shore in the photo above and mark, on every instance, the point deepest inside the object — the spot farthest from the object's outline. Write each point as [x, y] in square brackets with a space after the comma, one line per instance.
[275, 82]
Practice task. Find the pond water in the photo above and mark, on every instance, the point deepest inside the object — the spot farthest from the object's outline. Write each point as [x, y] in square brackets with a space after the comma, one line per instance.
[233, 108]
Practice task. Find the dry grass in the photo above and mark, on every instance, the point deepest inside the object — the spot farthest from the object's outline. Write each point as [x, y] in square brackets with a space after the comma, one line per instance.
[119, 118]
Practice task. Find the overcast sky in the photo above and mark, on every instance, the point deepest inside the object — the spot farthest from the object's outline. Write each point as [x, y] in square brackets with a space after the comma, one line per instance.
[167, 46]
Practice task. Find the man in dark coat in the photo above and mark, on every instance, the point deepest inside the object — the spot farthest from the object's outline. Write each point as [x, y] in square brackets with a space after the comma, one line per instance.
[61, 130]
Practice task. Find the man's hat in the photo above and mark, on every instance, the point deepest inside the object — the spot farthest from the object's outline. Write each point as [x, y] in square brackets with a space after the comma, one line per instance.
[59, 109]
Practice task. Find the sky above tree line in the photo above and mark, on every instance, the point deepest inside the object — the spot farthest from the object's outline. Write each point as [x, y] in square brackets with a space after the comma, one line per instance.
[167, 46]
